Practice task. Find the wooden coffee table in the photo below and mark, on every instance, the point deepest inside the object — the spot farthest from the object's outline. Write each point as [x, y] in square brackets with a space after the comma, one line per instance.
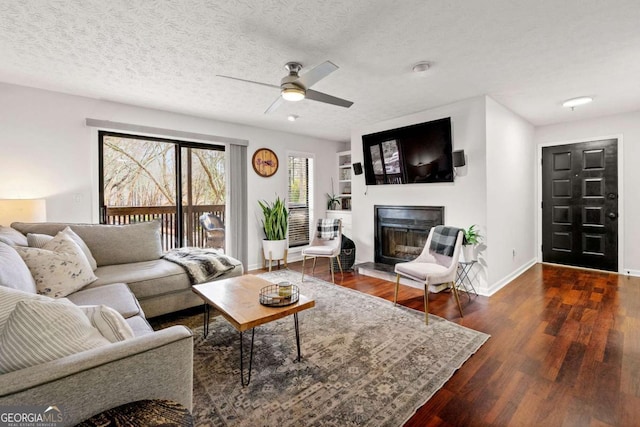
[237, 299]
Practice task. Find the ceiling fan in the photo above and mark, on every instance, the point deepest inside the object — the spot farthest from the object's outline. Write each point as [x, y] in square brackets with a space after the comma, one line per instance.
[295, 87]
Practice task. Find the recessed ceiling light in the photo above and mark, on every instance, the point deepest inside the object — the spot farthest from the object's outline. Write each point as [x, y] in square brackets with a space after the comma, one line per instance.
[421, 67]
[574, 102]
[292, 117]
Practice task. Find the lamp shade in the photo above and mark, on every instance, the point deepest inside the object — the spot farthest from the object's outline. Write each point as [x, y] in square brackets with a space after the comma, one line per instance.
[25, 210]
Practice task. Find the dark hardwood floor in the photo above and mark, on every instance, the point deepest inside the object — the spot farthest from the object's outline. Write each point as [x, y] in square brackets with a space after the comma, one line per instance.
[564, 350]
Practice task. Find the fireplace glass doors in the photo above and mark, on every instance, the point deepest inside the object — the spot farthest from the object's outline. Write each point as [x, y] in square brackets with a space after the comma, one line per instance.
[401, 231]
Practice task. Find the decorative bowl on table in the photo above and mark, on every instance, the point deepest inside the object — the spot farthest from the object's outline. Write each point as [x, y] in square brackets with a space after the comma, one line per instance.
[279, 295]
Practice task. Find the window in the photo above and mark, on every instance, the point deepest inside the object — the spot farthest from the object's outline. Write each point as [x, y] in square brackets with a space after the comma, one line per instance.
[144, 178]
[300, 195]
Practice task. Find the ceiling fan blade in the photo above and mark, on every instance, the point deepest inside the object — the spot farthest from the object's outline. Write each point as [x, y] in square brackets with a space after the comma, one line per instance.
[316, 74]
[248, 81]
[274, 105]
[323, 97]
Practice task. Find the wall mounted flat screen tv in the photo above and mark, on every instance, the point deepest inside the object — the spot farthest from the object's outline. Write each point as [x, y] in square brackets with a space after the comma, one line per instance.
[420, 153]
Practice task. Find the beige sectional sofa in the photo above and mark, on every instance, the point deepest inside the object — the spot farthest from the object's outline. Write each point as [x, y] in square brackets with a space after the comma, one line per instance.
[133, 280]
[131, 254]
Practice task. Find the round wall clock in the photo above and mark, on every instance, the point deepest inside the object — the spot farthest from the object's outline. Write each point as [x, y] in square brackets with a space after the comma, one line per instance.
[265, 162]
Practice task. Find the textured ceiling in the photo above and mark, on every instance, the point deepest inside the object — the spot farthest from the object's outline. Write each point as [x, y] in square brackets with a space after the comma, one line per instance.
[529, 55]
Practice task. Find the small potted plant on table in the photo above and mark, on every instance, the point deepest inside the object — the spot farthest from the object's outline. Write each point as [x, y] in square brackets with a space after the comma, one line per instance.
[472, 238]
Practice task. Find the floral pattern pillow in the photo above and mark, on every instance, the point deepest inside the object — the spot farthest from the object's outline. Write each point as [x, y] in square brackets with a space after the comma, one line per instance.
[59, 267]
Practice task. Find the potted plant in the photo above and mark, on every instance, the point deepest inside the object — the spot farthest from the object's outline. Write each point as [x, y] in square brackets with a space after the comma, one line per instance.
[332, 199]
[472, 238]
[275, 223]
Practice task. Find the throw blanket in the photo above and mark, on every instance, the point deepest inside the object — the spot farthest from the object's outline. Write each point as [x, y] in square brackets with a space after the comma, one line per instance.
[443, 240]
[328, 228]
[201, 264]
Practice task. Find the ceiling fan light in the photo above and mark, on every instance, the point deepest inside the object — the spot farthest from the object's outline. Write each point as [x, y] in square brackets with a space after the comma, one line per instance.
[292, 94]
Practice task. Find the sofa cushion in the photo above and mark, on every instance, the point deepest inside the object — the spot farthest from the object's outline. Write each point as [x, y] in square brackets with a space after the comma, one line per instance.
[14, 273]
[12, 237]
[36, 240]
[139, 325]
[109, 244]
[145, 279]
[108, 321]
[117, 296]
[59, 268]
[40, 331]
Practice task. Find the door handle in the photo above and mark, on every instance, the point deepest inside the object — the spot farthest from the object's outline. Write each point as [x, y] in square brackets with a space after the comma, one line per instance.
[612, 215]
[612, 196]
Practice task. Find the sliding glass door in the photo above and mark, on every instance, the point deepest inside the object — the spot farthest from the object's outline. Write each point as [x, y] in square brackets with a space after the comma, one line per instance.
[139, 181]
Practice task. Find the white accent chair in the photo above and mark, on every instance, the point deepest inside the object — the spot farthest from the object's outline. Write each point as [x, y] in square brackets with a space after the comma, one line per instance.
[323, 247]
[431, 268]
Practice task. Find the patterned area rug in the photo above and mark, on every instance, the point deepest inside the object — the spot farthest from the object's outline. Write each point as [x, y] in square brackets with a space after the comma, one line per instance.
[364, 363]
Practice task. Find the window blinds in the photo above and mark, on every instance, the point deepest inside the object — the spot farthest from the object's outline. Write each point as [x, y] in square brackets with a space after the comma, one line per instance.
[298, 200]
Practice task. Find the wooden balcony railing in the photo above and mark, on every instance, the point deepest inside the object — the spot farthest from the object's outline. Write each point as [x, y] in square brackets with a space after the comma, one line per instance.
[193, 233]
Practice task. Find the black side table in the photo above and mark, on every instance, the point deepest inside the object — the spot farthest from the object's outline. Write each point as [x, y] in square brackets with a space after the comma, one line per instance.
[464, 281]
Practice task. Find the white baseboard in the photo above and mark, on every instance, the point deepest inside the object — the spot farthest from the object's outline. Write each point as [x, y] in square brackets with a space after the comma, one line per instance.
[505, 281]
[629, 272]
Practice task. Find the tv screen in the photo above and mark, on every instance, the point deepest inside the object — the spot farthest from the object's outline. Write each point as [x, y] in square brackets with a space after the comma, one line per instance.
[413, 154]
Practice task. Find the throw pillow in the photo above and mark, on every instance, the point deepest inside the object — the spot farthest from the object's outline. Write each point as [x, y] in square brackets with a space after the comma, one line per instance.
[85, 249]
[328, 229]
[14, 272]
[59, 268]
[12, 237]
[36, 240]
[10, 297]
[40, 331]
[108, 321]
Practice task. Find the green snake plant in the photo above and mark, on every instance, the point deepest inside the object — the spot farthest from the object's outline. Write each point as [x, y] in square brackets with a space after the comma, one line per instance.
[276, 219]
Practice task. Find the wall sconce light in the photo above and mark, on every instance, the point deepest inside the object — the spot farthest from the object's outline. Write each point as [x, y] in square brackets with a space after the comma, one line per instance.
[24, 210]
[458, 159]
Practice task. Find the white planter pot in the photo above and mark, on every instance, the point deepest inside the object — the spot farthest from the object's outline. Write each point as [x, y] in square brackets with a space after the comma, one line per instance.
[274, 249]
[470, 253]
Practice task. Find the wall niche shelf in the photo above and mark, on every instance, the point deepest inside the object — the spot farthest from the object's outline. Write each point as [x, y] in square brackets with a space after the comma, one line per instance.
[344, 192]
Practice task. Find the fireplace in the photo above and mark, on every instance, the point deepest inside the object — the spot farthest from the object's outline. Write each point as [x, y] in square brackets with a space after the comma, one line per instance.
[401, 231]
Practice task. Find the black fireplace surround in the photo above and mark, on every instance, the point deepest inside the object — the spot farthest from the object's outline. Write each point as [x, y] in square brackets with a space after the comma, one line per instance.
[401, 231]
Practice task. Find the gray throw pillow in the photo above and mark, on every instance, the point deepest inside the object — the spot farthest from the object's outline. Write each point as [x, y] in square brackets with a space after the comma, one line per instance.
[56, 329]
[14, 273]
[12, 237]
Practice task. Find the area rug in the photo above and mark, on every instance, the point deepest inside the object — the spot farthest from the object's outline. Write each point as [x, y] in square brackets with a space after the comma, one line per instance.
[364, 363]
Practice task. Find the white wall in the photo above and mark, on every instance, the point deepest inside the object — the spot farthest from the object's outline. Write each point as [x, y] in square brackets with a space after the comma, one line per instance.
[511, 187]
[465, 200]
[627, 127]
[48, 152]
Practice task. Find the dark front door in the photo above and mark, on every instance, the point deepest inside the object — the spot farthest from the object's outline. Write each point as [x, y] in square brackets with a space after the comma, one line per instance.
[580, 204]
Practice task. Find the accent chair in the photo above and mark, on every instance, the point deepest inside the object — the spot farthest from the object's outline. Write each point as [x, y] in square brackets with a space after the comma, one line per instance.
[437, 264]
[326, 244]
